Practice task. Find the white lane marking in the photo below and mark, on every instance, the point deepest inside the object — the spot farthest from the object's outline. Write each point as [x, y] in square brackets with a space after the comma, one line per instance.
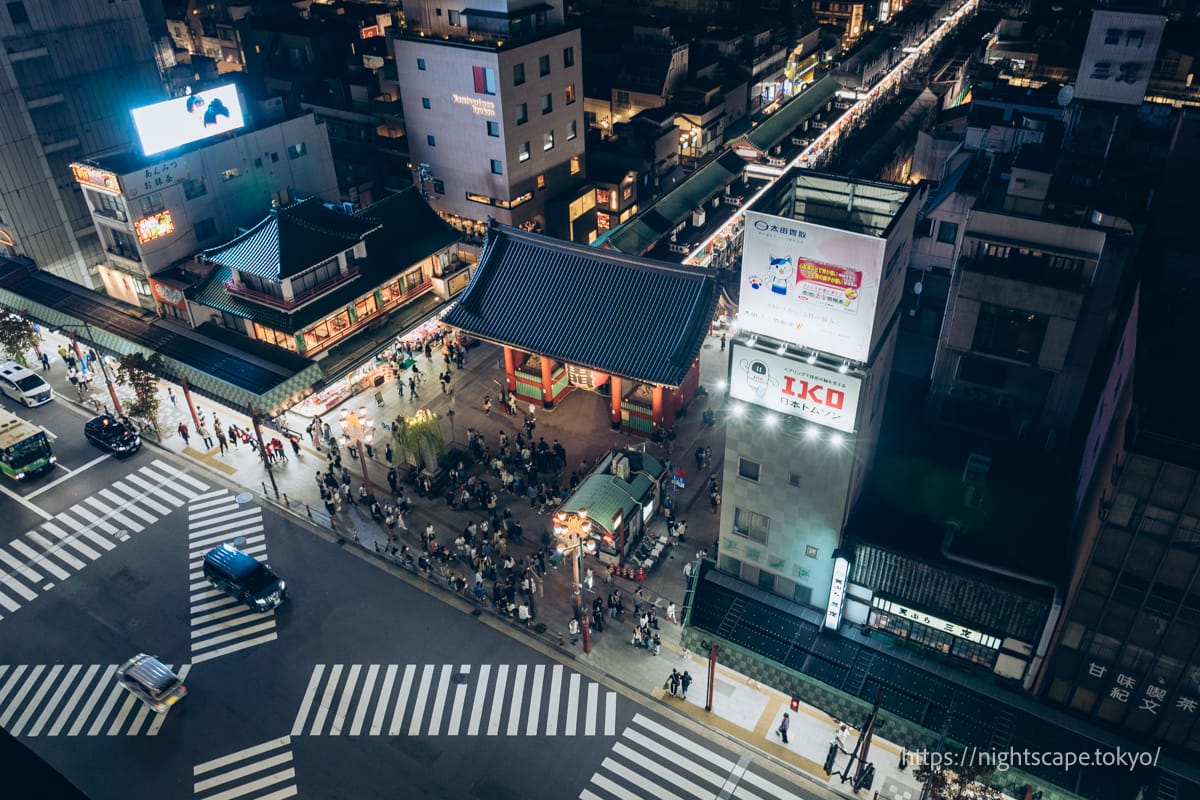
[481, 685]
[385, 696]
[71, 474]
[233, 648]
[439, 700]
[535, 700]
[306, 701]
[555, 690]
[460, 693]
[402, 700]
[339, 717]
[493, 727]
[518, 696]
[13, 495]
[572, 705]
[240, 755]
[364, 699]
[323, 708]
[414, 724]
[589, 724]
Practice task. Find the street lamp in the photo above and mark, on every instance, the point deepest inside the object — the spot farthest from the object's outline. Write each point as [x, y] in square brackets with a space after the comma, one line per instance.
[574, 530]
[358, 428]
[112, 390]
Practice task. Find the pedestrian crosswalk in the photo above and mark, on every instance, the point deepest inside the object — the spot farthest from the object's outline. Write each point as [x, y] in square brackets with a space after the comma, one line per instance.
[222, 624]
[261, 772]
[449, 700]
[34, 563]
[650, 760]
[73, 700]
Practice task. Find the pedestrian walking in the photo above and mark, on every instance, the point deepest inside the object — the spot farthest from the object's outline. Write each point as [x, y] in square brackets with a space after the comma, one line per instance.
[685, 681]
[222, 443]
[400, 387]
[183, 432]
[671, 612]
[673, 682]
[722, 343]
[171, 395]
[45, 362]
[784, 724]
[205, 436]
[842, 736]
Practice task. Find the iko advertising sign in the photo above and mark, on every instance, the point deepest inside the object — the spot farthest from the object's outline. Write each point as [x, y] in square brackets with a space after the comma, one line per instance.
[810, 285]
[177, 122]
[796, 388]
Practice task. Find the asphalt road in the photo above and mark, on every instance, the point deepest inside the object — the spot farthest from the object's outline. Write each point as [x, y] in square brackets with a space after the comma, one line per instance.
[361, 686]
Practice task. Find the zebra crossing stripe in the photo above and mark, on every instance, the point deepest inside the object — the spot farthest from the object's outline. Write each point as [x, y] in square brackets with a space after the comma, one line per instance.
[159, 719]
[241, 772]
[98, 518]
[555, 689]
[518, 695]
[610, 714]
[414, 725]
[181, 475]
[439, 701]
[589, 727]
[86, 711]
[664, 770]
[7, 716]
[641, 778]
[55, 699]
[35, 700]
[141, 491]
[113, 514]
[158, 491]
[59, 549]
[402, 701]
[535, 700]
[339, 717]
[572, 704]
[480, 696]
[67, 540]
[74, 699]
[126, 709]
[124, 508]
[389, 678]
[493, 727]
[19, 588]
[306, 701]
[40, 558]
[460, 692]
[326, 699]
[86, 533]
[19, 567]
[360, 715]
[614, 789]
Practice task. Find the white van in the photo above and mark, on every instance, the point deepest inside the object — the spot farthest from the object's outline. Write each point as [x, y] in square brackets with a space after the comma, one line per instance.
[24, 385]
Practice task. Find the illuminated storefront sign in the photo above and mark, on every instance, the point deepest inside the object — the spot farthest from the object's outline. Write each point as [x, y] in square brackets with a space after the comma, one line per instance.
[168, 295]
[794, 387]
[481, 108]
[154, 226]
[837, 594]
[96, 178]
[936, 623]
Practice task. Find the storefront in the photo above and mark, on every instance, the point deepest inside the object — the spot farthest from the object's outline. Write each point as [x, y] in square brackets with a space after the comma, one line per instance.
[388, 363]
[941, 635]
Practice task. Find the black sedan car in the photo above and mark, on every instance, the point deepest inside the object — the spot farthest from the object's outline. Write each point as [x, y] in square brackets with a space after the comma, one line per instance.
[112, 434]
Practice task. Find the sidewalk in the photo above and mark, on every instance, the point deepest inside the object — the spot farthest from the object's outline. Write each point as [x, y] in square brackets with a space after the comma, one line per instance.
[742, 709]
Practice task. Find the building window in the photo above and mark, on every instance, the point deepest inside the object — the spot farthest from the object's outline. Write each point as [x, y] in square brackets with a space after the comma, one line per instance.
[568, 57]
[541, 181]
[548, 140]
[621, 100]
[439, 186]
[947, 232]
[569, 93]
[193, 188]
[493, 128]
[421, 64]
[485, 80]
[454, 18]
[523, 152]
[575, 165]
[544, 65]
[150, 204]
[230, 174]
[522, 113]
[431, 140]
[810, 551]
[1009, 333]
[206, 229]
[748, 469]
[497, 167]
[518, 74]
[753, 526]
[572, 130]
[297, 150]
[794, 479]
[547, 103]
[425, 103]
[17, 13]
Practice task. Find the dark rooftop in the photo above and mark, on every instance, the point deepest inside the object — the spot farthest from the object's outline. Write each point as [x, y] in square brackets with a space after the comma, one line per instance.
[624, 315]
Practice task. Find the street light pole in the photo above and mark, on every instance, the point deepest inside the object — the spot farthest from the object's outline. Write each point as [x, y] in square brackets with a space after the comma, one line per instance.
[358, 429]
[112, 390]
[256, 421]
[574, 534]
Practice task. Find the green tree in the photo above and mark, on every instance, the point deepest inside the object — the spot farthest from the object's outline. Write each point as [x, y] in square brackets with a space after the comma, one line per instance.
[418, 439]
[141, 374]
[17, 337]
[944, 784]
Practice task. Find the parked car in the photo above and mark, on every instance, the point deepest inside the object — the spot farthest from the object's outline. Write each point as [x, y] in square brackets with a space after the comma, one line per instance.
[151, 681]
[112, 434]
[24, 385]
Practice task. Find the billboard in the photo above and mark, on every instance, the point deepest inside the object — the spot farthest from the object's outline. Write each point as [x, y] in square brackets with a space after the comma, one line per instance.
[810, 285]
[172, 123]
[1119, 56]
[796, 388]
[96, 178]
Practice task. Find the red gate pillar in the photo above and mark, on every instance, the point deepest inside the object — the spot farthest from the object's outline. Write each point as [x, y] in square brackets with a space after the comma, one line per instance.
[547, 383]
[510, 369]
[615, 400]
[658, 407]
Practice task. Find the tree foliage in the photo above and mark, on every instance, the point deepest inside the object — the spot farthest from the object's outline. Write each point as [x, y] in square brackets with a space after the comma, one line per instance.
[141, 374]
[945, 784]
[17, 337]
[418, 439]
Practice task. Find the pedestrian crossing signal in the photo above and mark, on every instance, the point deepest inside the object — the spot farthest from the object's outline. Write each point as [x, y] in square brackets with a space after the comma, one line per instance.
[795, 703]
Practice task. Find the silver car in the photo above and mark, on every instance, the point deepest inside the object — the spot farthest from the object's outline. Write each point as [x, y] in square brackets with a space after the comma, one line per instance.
[152, 681]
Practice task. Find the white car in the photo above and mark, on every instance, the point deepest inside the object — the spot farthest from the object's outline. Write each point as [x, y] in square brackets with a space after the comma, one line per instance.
[24, 385]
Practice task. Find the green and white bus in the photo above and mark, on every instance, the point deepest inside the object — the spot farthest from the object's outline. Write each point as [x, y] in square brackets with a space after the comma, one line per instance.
[24, 448]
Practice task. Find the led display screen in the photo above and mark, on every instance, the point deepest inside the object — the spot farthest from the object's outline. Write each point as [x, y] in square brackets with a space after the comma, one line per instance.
[172, 123]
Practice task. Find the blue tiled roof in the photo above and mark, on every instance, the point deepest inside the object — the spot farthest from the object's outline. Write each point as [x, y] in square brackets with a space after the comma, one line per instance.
[292, 239]
[628, 316]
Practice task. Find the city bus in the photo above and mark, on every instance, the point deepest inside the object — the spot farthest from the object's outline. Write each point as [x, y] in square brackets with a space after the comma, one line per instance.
[24, 448]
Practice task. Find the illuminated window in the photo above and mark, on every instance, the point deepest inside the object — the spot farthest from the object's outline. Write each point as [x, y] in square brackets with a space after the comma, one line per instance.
[297, 150]
[523, 152]
[230, 174]
[569, 93]
[572, 130]
[603, 197]
[541, 181]
[548, 140]
[454, 18]
[544, 65]
[497, 167]
[751, 525]
[603, 221]
[575, 165]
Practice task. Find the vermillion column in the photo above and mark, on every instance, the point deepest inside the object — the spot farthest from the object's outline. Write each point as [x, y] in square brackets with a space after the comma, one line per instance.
[657, 406]
[615, 383]
[547, 383]
[510, 369]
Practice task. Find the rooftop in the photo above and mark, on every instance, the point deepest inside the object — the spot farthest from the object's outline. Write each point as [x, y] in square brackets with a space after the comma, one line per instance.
[858, 206]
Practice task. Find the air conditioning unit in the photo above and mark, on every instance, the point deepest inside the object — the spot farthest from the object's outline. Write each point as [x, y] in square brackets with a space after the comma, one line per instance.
[620, 467]
[121, 215]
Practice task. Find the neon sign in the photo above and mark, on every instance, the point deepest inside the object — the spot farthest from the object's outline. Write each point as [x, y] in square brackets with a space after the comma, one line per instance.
[154, 227]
